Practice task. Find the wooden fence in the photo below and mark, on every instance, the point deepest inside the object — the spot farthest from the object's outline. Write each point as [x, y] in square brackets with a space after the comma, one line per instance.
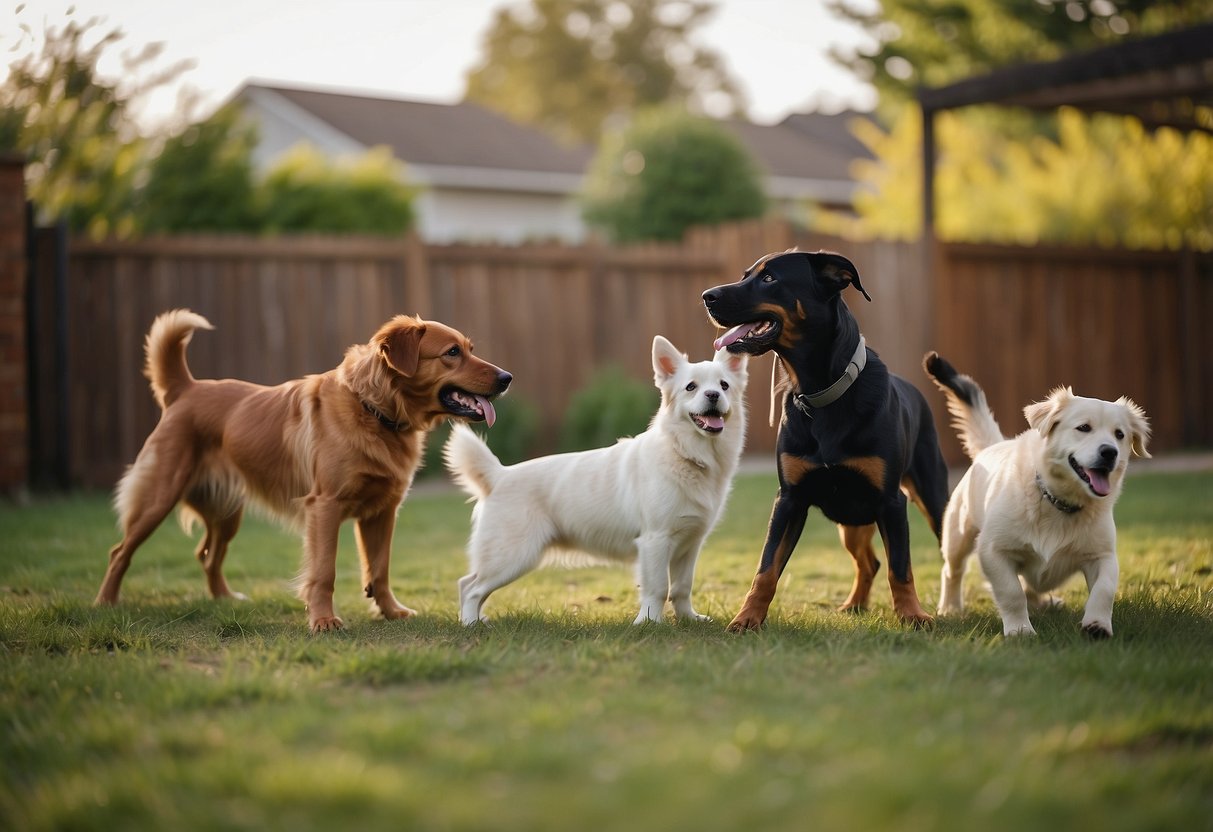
[1019, 320]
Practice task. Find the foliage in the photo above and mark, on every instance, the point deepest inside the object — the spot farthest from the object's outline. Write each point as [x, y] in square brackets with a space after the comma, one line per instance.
[572, 67]
[935, 42]
[202, 179]
[172, 711]
[304, 191]
[612, 405]
[666, 172]
[1103, 181]
[76, 129]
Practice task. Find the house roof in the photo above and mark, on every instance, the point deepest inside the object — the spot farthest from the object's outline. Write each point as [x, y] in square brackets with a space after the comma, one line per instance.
[448, 135]
[464, 144]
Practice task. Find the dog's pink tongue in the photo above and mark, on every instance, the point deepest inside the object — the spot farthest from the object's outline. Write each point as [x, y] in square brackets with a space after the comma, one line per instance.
[735, 334]
[486, 407]
[713, 422]
[1099, 482]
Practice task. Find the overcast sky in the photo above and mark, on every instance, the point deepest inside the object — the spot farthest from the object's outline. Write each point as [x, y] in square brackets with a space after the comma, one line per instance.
[421, 49]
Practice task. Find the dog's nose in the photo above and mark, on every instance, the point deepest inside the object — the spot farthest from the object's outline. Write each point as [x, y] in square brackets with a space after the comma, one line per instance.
[712, 396]
[1108, 453]
[503, 380]
[710, 297]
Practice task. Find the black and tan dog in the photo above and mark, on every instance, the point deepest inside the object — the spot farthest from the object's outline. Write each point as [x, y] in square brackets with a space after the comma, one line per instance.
[854, 439]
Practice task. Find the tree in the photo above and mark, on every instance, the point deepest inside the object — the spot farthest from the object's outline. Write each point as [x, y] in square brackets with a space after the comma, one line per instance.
[571, 67]
[666, 172]
[75, 129]
[202, 179]
[307, 192]
[935, 42]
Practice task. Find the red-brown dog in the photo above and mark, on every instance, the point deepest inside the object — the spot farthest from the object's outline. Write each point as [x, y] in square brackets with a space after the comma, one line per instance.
[314, 451]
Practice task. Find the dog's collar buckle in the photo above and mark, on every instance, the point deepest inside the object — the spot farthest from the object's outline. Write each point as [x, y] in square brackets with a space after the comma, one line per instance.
[1058, 503]
[390, 424]
[831, 394]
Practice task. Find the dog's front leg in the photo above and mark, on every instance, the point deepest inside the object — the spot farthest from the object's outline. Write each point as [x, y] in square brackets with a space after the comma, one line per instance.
[783, 532]
[682, 577]
[653, 572]
[1102, 576]
[323, 519]
[1009, 596]
[374, 538]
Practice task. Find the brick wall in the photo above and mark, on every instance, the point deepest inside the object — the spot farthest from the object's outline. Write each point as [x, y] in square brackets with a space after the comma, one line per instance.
[14, 424]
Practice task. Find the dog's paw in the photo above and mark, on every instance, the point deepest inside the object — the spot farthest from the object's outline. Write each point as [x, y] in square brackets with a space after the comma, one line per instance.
[921, 620]
[745, 623]
[1097, 630]
[396, 611]
[1021, 630]
[695, 616]
[325, 624]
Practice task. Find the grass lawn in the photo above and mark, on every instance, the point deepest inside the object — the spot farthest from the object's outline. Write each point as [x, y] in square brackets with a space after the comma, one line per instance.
[175, 712]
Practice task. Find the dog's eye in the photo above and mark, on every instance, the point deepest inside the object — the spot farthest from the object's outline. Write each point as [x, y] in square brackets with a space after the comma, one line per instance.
[691, 387]
[768, 278]
[1084, 428]
[724, 385]
[1120, 434]
[453, 352]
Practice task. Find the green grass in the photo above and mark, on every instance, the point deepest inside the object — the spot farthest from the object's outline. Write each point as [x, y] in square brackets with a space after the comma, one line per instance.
[175, 712]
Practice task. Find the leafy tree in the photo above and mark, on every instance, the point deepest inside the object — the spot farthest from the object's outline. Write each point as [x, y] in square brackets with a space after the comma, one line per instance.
[573, 66]
[76, 129]
[202, 179]
[307, 192]
[666, 172]
[935, 42]
[1103, 181]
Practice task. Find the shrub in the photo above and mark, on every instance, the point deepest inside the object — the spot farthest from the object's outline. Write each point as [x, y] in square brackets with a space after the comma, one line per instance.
[612, 405]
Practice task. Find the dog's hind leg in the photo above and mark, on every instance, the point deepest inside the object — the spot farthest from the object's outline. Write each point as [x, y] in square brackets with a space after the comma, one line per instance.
[374, 538]
[957, 546]
[213, 549]
[146, 495]
[895, 533]
[500, 553]
[858, 541]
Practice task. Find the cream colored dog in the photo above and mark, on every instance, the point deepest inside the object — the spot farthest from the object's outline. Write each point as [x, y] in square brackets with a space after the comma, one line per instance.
[652, 498]
[1037, 508]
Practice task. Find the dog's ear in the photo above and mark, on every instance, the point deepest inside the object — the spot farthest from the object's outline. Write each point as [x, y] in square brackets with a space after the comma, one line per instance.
[1139, 426]
[666, 359]
[400, 344]
[1043, 416]
[836, 271]
[734, 362]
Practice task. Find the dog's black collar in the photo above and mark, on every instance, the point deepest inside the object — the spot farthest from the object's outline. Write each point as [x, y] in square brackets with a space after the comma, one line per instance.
[1062, 505]
[831, 394]
[384, 420]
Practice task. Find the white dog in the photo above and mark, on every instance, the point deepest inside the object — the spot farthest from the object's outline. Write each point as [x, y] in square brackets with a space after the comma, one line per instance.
[1038, 508]
[654, 497]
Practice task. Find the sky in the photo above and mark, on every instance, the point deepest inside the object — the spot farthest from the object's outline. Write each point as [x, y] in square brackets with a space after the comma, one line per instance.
[422, 49]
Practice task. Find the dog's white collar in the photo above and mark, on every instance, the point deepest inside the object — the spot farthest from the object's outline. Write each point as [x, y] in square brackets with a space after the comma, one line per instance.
[1062, 505]
[831, 394]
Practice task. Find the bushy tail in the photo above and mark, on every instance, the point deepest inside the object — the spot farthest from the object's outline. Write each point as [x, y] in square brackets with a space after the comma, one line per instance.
[165, 349]
[471, 462]
[971, 415]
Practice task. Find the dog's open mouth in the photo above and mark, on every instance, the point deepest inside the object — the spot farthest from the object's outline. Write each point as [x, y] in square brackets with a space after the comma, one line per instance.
[468, 405]
[754, 337]
[1095, 478]
[711, 421]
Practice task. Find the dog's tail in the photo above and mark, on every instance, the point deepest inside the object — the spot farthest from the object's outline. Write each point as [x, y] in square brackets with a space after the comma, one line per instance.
[471, 462]
[971, 414]
[165, 348]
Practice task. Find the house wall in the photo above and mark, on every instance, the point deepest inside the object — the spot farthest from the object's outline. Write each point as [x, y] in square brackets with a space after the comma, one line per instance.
[446, 215]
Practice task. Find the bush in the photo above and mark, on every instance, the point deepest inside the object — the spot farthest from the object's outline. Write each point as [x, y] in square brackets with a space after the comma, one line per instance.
[667, 172]
[512, 437]
[612, 405]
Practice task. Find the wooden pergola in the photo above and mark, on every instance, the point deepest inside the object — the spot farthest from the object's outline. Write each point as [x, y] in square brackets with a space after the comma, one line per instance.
[1165, 80]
